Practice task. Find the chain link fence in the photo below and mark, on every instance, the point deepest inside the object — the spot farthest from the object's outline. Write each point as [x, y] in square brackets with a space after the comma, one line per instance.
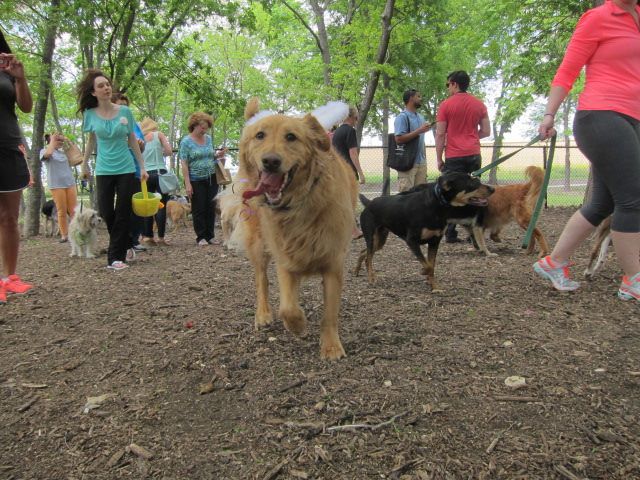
[567, 184]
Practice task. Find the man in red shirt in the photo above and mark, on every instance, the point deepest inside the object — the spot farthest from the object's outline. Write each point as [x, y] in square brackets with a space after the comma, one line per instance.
[462, 120]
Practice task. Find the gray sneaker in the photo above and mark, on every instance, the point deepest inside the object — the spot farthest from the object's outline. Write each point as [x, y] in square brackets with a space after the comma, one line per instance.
[630, 288]
[557, 273]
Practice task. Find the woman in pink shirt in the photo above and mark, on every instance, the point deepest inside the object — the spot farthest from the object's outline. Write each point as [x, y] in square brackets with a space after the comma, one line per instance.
[607, 130]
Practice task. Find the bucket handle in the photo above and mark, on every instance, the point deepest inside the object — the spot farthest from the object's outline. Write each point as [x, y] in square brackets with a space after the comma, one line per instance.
[145, 194]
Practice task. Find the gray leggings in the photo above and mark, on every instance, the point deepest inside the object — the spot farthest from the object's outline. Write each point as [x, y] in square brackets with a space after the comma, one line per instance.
[611, 142]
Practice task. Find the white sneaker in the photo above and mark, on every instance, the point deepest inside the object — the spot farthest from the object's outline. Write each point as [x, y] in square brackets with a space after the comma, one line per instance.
[203, 243]
[117, 265]
[131, 255]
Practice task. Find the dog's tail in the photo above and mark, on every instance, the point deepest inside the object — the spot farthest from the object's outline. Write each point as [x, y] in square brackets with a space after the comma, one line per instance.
[365, 201]
[536, 177]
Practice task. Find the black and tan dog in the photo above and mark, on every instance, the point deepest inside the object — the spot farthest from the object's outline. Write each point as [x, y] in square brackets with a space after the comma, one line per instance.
[419, 216]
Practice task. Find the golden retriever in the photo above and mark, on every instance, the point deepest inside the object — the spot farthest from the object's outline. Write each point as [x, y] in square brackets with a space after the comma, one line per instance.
[299, 209]
[177, 212]
[82, 233]
[516, 202]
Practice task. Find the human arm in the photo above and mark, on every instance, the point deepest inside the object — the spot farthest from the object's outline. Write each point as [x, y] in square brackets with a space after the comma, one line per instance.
[89, 148]
[166, 148]
[135, 148]
[441, 137]
[185, 175]
[16, 70]
[355, 159]
[485, 127]
[407, 137]
[557, 94]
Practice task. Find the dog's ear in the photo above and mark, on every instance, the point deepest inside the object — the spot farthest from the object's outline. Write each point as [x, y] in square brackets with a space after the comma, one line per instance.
[318, 133]
[252, 107]
[444, 183]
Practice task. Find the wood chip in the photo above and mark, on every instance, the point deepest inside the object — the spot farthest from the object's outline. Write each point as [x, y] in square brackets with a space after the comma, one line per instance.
[27, 406]
[35, 385]
[206, 388]
[115, 458]
[140, 451]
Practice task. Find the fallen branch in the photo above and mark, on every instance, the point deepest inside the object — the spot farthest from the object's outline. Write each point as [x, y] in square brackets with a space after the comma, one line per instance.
[292, 385]
[515, 398]
[367, 426]
[495, 441]
[27, 406]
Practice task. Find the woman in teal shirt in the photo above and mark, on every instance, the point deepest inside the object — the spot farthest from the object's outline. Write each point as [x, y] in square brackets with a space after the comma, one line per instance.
[110, 129]
[198, 161]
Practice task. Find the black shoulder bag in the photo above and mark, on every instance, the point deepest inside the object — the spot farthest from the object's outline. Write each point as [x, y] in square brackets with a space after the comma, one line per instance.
[402, 156]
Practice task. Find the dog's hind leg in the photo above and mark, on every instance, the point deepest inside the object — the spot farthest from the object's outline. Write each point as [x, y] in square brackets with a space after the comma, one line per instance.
[478, 235]
[376, 243]
[598, 256]
[330, 345]
[361, 257]
[290, 311]
[432, 251]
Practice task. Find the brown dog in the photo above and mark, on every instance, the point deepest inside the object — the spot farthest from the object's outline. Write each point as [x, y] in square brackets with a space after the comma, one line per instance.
[516, 202]
[299, 209]
[177, 212]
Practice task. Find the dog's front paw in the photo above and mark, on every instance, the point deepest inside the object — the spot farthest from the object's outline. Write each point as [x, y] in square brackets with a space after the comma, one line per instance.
[91, 255]
[331, 350]
[491, 254]
[263, 319]
[294, 321]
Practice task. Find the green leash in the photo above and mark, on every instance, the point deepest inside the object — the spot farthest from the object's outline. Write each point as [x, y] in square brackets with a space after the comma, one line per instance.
[541, 197]
[504, 158]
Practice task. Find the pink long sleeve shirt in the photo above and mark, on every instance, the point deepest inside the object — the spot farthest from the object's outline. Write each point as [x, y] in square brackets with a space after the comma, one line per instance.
[607, 41]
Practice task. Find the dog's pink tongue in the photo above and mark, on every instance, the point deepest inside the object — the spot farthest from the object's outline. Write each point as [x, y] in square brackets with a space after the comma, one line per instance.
[269, 182]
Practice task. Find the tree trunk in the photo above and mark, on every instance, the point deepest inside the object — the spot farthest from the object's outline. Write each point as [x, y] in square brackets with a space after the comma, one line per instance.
[54, 111]
[498, 135]
[34, 199]
[323, 41]
[380, 59]
[385, 130]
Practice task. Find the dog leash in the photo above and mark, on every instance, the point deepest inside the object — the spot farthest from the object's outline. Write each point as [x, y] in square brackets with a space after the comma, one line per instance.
[504, 158]
[543, 194]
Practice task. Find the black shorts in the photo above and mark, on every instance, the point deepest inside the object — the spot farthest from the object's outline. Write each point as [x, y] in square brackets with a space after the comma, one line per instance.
[14, 174]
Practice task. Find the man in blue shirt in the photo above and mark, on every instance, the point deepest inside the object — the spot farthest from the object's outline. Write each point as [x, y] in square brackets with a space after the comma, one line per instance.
[408, 126]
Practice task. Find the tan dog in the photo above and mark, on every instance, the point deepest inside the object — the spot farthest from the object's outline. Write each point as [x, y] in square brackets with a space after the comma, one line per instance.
[300, 200]
[516, 202]
[83, 234]
[600, 248]
[177, 212]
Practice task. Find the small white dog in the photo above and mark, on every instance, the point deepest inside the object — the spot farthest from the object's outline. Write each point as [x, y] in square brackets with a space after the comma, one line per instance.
[82, 233]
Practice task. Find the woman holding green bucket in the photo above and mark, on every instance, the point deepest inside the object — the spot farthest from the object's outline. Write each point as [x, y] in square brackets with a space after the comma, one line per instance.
[110, 129]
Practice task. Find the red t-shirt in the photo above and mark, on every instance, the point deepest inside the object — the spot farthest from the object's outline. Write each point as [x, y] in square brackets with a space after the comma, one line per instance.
[462, 112]
[607, 41]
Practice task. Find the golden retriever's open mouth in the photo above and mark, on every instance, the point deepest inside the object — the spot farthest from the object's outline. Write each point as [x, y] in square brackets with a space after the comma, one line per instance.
[271, 185]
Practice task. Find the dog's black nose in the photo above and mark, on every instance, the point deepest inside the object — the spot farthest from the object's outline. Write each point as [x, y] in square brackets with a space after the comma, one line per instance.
[491, 189]
[271, 163]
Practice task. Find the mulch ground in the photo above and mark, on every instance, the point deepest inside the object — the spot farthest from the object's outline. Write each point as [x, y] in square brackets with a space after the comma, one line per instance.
[157, 371]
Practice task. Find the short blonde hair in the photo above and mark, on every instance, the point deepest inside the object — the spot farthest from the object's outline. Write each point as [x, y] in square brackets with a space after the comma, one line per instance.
[196, 118]
[148, 125]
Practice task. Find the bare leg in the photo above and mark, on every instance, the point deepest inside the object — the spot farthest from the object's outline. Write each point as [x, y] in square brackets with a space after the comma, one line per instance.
[9, 233]
[627, 248]
[575, 232]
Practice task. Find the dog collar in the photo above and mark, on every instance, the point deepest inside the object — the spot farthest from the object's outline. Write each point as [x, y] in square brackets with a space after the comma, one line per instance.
[437, 191]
